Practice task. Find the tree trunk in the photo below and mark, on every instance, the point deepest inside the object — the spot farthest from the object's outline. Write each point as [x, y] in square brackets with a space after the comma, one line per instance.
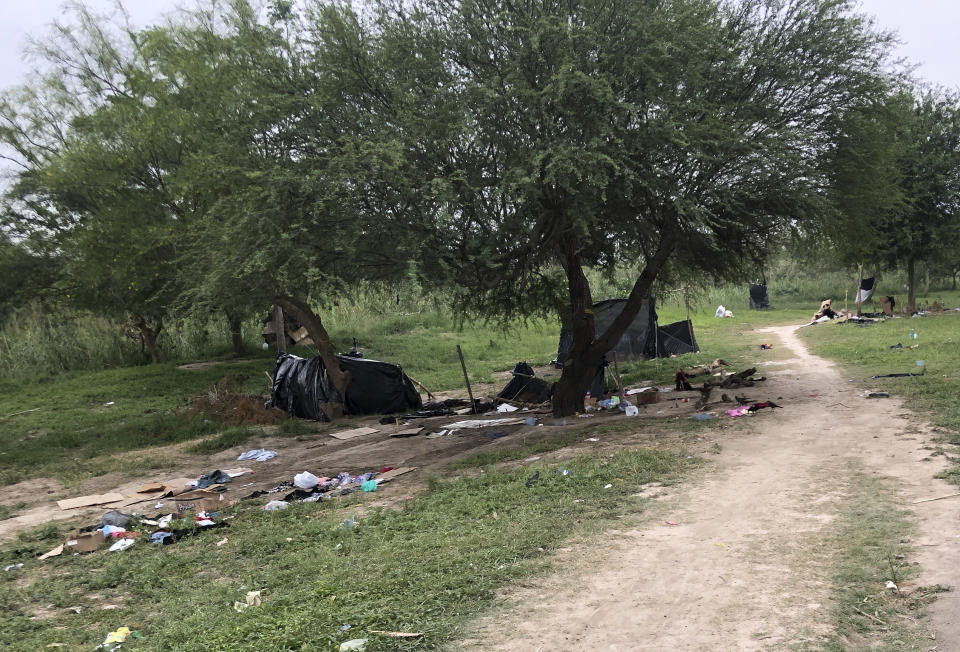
[280, 329]
[911, 284]
[588, 349]
[236, 334]
[148, 336]
[314, 326]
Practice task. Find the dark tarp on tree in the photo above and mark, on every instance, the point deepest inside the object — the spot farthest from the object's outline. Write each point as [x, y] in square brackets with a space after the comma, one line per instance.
[867, 287]
[301, 388]
[525, 387]
[641, 339]
[676, 339]
[759, 299]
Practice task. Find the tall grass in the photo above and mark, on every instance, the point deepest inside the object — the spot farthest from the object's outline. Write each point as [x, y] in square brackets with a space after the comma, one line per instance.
[35, 341]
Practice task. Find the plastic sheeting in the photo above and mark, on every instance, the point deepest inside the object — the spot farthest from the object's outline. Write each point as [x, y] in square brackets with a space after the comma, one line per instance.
[301, 387]
[676, 339]
[638, 342]
[867, 286]
[759, 299]
[525, 387]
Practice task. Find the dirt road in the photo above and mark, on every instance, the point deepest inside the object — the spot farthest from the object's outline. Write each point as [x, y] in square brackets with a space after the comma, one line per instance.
[746, 566]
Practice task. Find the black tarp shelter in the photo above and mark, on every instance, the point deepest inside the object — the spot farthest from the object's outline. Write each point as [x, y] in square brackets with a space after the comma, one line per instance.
[525, 386]
[759, 299]
[642, 340]
[301, 387]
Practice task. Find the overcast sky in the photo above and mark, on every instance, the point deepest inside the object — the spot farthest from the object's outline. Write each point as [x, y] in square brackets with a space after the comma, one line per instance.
[928, 29]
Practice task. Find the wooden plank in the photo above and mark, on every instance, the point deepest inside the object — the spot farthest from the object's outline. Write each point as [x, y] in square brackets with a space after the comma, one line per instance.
[407, 432]
[356, 432]
[86, 501]
[393, 473]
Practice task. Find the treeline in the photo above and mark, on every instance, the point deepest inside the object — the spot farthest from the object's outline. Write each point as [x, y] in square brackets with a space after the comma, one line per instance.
[246, 154]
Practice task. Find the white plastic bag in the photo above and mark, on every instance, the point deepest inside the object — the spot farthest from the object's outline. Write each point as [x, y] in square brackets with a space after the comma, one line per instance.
[305, 480]
[721, 311]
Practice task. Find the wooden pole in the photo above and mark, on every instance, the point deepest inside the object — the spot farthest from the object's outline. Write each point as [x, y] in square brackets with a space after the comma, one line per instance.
[279, 329]
[463, 365]
[616, 370]
[686, 300]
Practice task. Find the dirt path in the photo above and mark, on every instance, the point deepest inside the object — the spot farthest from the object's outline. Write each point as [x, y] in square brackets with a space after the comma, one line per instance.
[745, 566]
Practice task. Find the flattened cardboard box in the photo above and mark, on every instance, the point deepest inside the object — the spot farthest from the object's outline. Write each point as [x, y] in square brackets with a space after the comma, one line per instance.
[85, 542]
[198, 501]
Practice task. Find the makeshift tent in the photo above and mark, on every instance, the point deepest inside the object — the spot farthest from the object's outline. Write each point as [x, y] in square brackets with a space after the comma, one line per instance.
[759, 299]
[525, 387]
[867, 287]
[641, 339]
[676, 339]
[301, 387]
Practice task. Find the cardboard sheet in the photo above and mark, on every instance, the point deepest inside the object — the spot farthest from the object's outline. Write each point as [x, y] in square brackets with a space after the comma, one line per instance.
[56, 552]
[86, 501]
[472, 424]
[153, 487]
[356, 432]
[85, 542]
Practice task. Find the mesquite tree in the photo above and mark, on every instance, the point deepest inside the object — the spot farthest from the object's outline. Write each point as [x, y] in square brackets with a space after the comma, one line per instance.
[683, 133]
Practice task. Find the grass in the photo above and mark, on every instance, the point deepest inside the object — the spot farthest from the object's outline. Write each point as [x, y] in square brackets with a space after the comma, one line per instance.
[871, 539]
[427, 568]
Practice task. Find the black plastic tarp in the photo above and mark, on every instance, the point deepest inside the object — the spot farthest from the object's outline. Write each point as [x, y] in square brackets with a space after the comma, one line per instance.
[867, 286]
[638, 342]
[676, 339]
[301, 388]
[525, 387]
[759, 299]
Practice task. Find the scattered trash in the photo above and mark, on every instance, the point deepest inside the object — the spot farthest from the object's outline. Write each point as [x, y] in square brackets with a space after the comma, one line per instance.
[275, 505]
[878, 395]
[122, 544]
[592, 439]
[347, 525]
[895, 375]
[222, 542]
[913, 335]
[671, 522]
[369, 485]
[631, 411]
[118, 636]
[474, 424]
[344, 628]
[530, 421]
[397, 634]
[116, 518]
[892, 586]
[564, 472]
[257, 455]
[109, 403]
[898, 345]
[607, 486]
[305, 480]
[357, 644]
[212, 478]
[253, 598]
[766, 347]
[506, 407]
[533, 479]
[56, 552]
[11, 567]
[703, 416]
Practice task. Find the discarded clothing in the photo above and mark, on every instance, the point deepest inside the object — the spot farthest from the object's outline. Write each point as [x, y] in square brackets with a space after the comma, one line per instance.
[258, 455]
[682, 382]
[212, 478]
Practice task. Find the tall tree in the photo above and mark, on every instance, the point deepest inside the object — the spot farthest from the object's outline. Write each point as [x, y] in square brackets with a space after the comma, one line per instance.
[659, 132]
[896, 182]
